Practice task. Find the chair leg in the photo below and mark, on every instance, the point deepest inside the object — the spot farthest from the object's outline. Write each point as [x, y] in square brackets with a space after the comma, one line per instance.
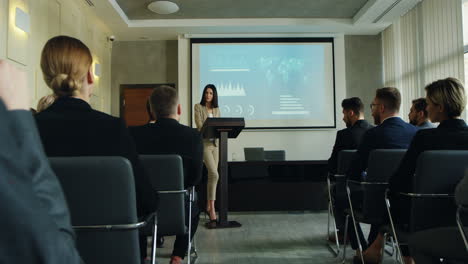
[345, 242]
[354, 223]
[398, 254]
[331, 218]
[189, 248]
[155, 233]
[335, 249]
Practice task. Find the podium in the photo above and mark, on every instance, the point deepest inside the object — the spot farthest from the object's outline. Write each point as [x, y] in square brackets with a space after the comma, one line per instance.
[223, 128]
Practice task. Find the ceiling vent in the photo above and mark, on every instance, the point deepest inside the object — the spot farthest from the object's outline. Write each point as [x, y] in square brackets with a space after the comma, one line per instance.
[383, 11]
[89, 2]
[386, 11]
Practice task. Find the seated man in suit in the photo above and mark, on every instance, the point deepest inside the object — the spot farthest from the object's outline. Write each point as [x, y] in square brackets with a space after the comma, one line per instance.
[418, 114]
[348, 138]
[35, 224]
[167, 136]
[391, 132]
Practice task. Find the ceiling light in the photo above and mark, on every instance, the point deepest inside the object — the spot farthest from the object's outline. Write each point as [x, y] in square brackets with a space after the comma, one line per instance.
[163, 7]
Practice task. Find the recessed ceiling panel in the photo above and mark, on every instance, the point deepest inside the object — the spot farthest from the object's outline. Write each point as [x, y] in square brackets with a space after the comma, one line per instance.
[206, 9]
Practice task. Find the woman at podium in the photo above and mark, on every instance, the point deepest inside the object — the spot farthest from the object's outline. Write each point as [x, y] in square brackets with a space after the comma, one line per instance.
[208, 107]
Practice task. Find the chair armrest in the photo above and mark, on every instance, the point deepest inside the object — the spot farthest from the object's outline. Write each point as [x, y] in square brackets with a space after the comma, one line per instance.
[172, 192]
[427, 195]
[366, 183]
[121, 227]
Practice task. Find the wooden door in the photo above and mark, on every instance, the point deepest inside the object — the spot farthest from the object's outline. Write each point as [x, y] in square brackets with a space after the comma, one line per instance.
[134, 105]
[133, 102]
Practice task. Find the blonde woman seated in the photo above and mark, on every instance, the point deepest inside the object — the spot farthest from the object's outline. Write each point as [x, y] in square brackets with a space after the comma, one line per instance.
[70, 127]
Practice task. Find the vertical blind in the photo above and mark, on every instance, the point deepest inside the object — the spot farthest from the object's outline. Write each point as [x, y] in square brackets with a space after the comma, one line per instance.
[424, 45]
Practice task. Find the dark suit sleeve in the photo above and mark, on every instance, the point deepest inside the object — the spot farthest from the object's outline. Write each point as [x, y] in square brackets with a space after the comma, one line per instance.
[197, 160]
[44, 182]
[359, 164]
[402, 180]
[339, 145]
[28, 232]
[147, 198]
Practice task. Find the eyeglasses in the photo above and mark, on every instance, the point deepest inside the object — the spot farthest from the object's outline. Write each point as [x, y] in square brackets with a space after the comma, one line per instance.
[372, 105]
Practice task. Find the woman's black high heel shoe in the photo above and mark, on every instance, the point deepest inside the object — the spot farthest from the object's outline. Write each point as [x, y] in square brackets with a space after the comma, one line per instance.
[212, 223]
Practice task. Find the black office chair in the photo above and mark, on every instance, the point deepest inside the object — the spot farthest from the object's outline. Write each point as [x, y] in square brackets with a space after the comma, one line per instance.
[100, 192]
[337, 181]
[166, 174]
[254, 154]
[430, 204]
[382, 164]
[275, 155]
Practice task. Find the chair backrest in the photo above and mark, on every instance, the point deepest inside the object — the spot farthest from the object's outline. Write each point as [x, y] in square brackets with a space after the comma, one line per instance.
[276, 155]
[345, 157]
[437, 172]
[101, 191]
[166, 174]
[254, 154]
[382, 164]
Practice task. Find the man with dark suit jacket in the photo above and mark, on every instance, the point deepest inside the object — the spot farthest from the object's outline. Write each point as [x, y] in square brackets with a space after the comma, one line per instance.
[418, 114]
[391, 132]
[350, 137]
[168, 136]
[35, 223]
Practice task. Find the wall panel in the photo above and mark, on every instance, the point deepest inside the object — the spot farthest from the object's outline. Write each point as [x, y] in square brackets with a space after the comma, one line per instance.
[51, 18]
[17, 40]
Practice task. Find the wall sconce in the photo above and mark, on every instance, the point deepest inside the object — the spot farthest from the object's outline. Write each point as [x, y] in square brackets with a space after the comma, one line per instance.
[22, 20]
[97, 69]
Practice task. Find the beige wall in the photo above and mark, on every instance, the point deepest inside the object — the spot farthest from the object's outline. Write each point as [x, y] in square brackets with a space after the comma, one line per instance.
[50, 18]
[142, 62]
[364, 69]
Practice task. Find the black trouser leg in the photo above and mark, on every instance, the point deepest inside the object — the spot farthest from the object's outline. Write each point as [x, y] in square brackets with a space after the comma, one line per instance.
[181, 242]
[340, 204]
[143, 245]
[352, 235]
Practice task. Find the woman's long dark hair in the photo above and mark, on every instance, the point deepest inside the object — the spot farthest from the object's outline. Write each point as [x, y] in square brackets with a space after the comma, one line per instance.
[214, 102]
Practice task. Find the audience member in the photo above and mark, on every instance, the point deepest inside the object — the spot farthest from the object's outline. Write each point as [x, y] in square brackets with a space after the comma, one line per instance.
[70, 127]
[445, 102]
[418, 114]
[391, 132]
[348, 138]
[168, 136]
[35, 223]
[45, 102]
[429, 246]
